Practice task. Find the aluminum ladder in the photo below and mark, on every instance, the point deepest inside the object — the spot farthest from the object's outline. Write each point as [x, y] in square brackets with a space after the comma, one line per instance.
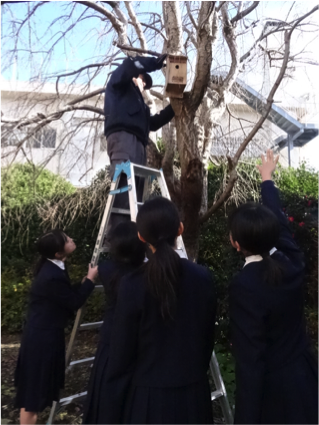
[131, 171]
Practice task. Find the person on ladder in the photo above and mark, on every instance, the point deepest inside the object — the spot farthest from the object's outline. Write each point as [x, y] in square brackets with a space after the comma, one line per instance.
[128, 120]
[276, 370]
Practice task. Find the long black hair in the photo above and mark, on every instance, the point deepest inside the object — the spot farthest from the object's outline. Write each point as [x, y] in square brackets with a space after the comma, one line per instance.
[127, 249]
[48, 245]
[256, 229]
[158, 223]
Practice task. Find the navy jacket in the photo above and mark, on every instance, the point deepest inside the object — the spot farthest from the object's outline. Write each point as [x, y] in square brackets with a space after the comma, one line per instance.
[148, 351]
[53, 298]
[124, 106]
[107, 270]
[267, 322]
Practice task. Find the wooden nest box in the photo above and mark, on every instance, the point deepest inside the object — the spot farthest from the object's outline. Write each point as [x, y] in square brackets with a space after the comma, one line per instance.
[176, 75]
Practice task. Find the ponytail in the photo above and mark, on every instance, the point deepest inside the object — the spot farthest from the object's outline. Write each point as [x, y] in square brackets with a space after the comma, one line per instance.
[273, 271]
[158, 224]
[38, 265]
[163, 271]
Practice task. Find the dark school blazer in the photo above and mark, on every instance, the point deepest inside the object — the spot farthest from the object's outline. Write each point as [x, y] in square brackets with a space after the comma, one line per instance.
[148, 351]
[267, 322]
[124, 106]
[53, 298]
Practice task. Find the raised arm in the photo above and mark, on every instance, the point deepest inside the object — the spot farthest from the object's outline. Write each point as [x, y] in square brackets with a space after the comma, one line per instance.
[163, 117]
[133, 67]
[67, 296]
[270, 198]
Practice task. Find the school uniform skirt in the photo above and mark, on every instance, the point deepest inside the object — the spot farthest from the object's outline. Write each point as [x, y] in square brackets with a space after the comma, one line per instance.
[291, 393]
[39, 375]
[190, 404]
[97, 408]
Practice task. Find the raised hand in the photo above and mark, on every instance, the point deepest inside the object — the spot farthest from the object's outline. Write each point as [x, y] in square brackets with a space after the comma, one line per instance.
[92, 273]
[268, 165]
[160, 61]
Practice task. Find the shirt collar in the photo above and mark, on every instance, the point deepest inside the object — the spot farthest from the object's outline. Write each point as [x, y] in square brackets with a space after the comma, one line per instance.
[59, 263]
[252, 259]
[256, 258]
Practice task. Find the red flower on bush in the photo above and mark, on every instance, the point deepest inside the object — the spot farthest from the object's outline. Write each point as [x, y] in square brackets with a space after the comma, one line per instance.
[290, 219]
[301, 224]
[309, 203]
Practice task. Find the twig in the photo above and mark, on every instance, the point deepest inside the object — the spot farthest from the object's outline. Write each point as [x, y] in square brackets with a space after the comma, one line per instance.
[136, 49]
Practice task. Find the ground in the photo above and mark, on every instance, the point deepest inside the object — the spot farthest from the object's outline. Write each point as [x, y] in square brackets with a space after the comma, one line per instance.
[75, 381]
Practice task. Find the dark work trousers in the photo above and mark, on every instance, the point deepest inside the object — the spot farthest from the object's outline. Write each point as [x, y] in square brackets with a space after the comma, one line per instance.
[122, 147]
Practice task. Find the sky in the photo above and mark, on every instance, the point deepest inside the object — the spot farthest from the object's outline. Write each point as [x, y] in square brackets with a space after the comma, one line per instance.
[88, 43]
[83, 42]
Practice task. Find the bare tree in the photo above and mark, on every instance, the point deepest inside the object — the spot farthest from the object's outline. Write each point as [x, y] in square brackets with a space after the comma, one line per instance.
[211, 34]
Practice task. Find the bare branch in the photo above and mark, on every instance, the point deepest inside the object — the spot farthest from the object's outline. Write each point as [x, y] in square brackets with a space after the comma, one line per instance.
[190, 35]
[157, 94]
[189, 12]
[230, 38]
[86, 96]
[117, 23]
[153, 28]
[232, 163]
[173, 27]
[136, 49]
[245, 12]
[116, 7]
[97, 65]
[205, 36]
[136, 25]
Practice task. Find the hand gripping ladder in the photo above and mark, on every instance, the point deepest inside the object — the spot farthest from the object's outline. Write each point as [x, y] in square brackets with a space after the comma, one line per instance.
[131, 170]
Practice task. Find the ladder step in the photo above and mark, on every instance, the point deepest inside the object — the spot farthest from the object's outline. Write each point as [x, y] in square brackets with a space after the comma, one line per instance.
[120, 211]
[120, 190]
[103, 249]
[76, 397]
[82, 361]
[141, 171]
[216, 394]
[94, 325]
[99, 288]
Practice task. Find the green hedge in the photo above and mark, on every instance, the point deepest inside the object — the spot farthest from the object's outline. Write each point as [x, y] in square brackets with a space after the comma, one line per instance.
[26, 189]
[28, 193]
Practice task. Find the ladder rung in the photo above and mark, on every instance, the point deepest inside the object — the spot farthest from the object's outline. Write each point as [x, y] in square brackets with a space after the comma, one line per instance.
[216, 394]
[75, 397]
[99, 288]
[94, 325]
[120, 190]
[82, 361]
[140, 203]
[120, 211]
[103, 249]
[141, 171]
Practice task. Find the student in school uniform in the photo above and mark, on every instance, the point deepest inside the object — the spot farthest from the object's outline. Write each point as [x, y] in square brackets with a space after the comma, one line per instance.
[163, 332]
[39, 375]
[127, 255]
[276, 371]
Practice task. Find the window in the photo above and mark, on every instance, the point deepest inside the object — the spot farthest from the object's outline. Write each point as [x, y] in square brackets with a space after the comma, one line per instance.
[44, 138]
